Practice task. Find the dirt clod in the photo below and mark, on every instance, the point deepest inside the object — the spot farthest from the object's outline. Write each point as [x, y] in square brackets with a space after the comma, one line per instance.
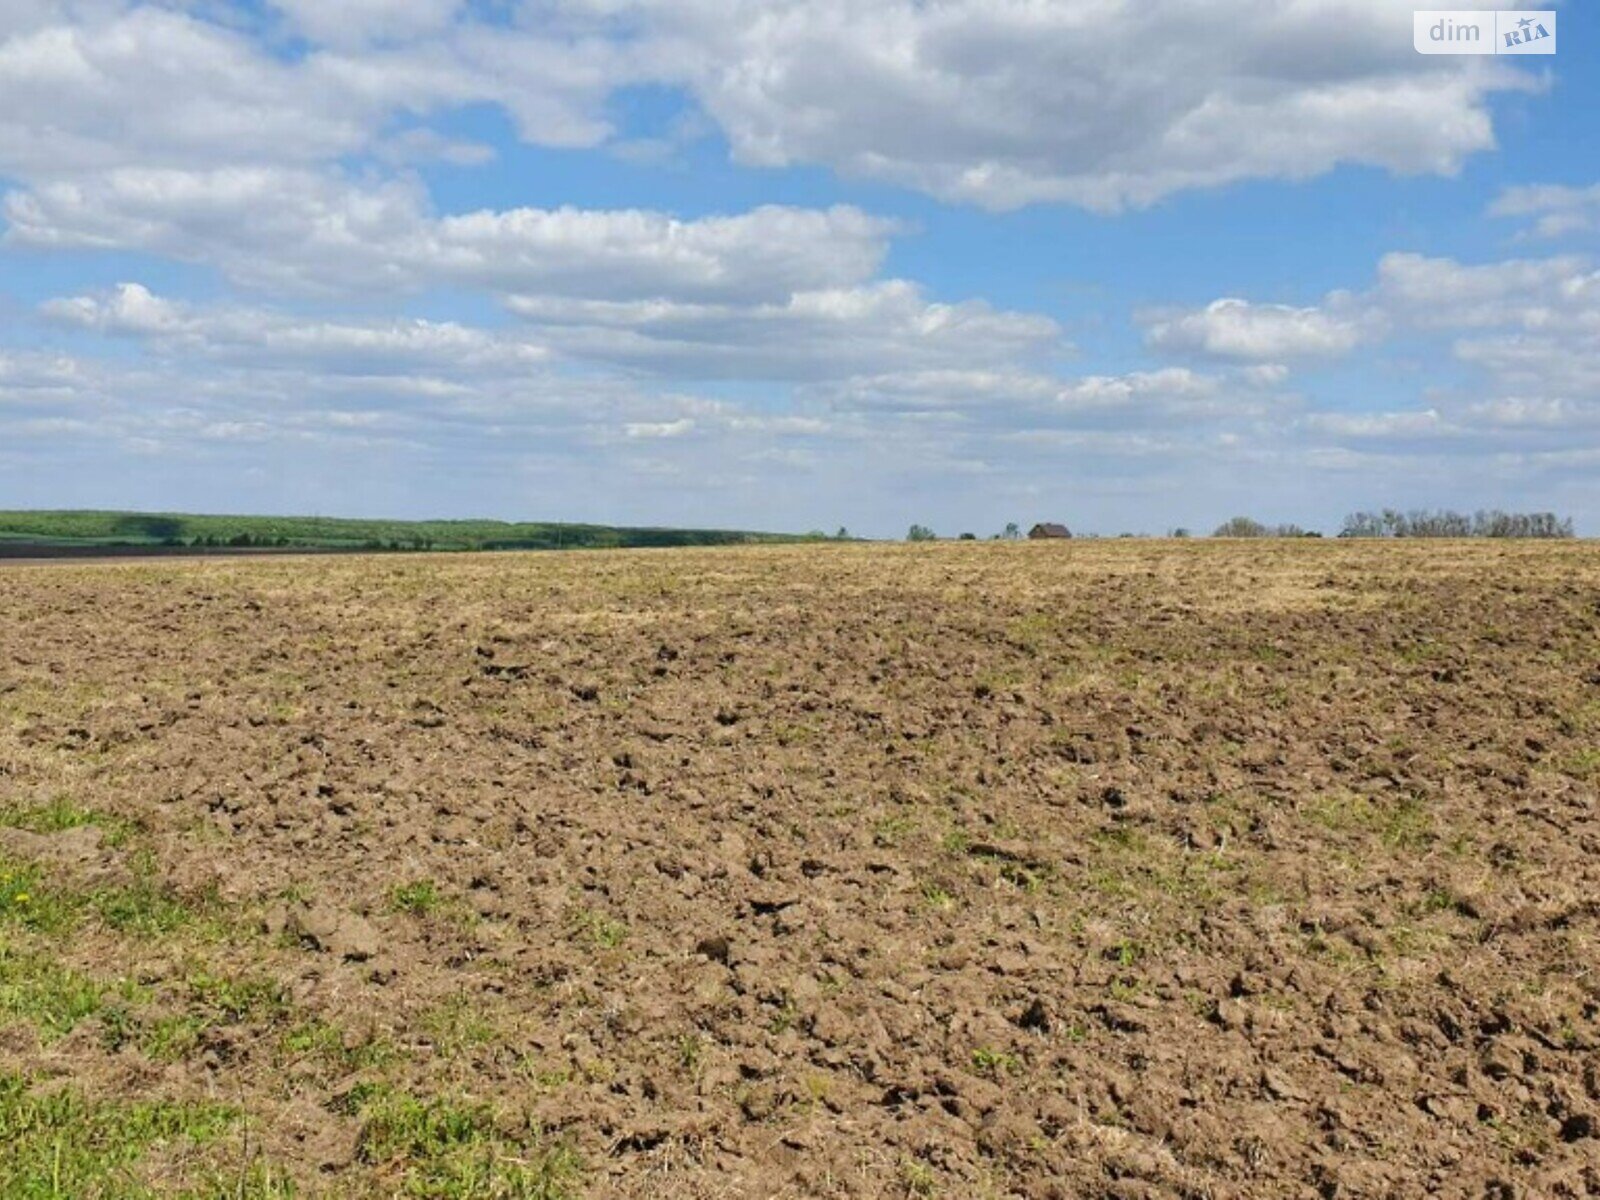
[322, 927]
[716, 948]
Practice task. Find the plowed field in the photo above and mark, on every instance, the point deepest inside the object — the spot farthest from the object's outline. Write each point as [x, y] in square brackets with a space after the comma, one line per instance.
[1129, 869]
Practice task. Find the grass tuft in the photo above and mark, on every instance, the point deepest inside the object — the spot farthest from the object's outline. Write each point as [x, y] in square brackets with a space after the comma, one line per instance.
[418, 898]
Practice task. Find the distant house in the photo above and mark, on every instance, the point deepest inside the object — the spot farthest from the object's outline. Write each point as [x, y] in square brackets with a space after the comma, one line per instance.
[1045, 529]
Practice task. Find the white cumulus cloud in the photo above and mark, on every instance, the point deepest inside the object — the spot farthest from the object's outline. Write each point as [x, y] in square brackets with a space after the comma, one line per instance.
[1267, 333]
[291, 228]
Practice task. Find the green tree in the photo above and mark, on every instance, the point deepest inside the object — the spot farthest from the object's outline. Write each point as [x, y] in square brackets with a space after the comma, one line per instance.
[920, 533]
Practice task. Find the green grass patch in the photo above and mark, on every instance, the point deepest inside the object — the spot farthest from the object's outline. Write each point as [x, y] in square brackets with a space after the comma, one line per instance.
[1401, 824]
[231, 999]
[318, 1039]
[605, 932]
[1585, 764]
[62, 1145]
[145, 907]
[40, 990]
[27, 902]
[457, 1025]
[889, 832]
[418, 898]
[314, 1038]
[61, 813]
[989, 1061]
[171, 1038]
[453, 1149]
[208, 1001]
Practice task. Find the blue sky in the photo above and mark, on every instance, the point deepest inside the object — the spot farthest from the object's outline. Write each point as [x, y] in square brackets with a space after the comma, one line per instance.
[764, 263]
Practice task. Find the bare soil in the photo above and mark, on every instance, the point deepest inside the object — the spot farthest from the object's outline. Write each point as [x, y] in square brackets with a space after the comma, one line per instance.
[1043, 870]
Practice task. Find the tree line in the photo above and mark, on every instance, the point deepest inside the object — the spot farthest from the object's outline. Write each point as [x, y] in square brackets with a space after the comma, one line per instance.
[1444, 523]
[1418, 523]
[1385, 523]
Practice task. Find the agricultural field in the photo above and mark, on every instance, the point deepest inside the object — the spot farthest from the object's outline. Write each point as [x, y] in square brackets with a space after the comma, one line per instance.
[1124, 869]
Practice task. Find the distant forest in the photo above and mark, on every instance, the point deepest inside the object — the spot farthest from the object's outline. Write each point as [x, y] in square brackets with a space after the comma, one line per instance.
[178, 530]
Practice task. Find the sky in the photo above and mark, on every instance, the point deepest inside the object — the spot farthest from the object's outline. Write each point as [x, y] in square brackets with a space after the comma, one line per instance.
[1130, 265]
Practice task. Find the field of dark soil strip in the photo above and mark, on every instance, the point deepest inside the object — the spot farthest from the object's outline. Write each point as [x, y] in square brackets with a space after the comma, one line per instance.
[1118, 869]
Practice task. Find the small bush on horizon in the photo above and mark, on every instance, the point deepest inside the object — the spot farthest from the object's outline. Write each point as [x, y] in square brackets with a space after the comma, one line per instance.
[1245, 527]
